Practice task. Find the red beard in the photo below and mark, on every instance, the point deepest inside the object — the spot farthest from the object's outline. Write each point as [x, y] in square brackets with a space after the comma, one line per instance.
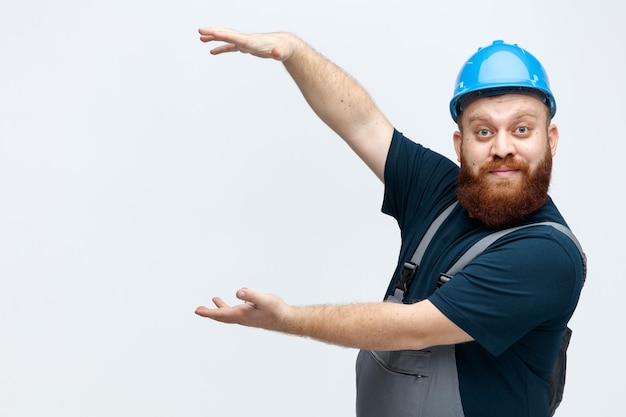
[505, 202]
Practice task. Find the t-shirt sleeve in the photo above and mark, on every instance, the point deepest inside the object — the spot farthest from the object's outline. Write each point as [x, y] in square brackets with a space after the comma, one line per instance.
[522, 282]
[414, 174]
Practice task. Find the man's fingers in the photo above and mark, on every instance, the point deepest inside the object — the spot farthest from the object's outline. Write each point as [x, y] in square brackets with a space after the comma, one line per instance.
[211, 31]
[224, 48]
[210, 312]
[226, 35]
[219, 303]
[203, 311]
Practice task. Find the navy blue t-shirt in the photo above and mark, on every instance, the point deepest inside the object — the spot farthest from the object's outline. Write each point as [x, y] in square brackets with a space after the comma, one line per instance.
[514, 299]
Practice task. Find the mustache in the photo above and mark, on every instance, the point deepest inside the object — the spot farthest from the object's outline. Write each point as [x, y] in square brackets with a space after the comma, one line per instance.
[508, 161]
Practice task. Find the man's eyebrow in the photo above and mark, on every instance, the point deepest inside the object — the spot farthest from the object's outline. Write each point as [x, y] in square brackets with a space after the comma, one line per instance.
[487, 119]
[523, 114]
[478, 118]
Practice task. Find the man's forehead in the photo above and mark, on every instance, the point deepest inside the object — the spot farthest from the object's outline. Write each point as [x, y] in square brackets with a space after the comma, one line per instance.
[506, 105]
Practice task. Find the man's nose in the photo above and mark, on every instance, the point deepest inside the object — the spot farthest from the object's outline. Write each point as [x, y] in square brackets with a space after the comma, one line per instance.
[502, 145]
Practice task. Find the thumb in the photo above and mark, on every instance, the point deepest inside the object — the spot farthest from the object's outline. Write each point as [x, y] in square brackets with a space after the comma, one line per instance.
[246, 295]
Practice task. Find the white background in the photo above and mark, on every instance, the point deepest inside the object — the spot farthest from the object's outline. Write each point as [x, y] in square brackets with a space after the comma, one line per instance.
[140, 176]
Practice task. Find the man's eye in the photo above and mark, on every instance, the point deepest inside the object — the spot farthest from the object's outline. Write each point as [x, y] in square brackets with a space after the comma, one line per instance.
[522, 130]
[483, 132]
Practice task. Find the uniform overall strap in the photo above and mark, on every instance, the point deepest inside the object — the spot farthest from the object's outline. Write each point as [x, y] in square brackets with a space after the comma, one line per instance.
[482, 244]
[409, 269]
[428, 236]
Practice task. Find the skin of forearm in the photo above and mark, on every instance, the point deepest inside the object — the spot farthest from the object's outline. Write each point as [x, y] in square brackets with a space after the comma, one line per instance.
[372, 326]
[334, 95]
[339, 101]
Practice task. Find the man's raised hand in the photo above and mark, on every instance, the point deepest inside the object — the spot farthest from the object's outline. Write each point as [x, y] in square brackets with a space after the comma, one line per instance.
[279, 45]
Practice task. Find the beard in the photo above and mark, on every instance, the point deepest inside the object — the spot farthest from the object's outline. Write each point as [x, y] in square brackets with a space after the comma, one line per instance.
[504, 203]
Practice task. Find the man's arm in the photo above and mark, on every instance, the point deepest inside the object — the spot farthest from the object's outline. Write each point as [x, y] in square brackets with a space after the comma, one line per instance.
[333, 95]
[372, 326]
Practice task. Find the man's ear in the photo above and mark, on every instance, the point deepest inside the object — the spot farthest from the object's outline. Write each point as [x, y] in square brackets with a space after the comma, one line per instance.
[458, 139]
[553, 138]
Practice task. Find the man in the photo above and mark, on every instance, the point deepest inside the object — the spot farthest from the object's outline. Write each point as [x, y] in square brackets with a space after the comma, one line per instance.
[484, 343]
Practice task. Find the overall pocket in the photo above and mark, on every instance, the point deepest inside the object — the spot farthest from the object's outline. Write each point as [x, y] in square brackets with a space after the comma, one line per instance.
[408, 383]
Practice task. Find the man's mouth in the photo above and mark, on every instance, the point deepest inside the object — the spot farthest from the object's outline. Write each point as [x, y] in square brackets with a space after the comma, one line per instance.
[503, 172]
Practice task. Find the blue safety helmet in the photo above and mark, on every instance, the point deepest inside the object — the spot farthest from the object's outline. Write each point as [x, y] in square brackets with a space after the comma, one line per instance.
[501, 68]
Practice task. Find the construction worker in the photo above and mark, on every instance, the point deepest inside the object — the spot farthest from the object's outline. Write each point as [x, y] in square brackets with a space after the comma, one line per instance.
[485, 343]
